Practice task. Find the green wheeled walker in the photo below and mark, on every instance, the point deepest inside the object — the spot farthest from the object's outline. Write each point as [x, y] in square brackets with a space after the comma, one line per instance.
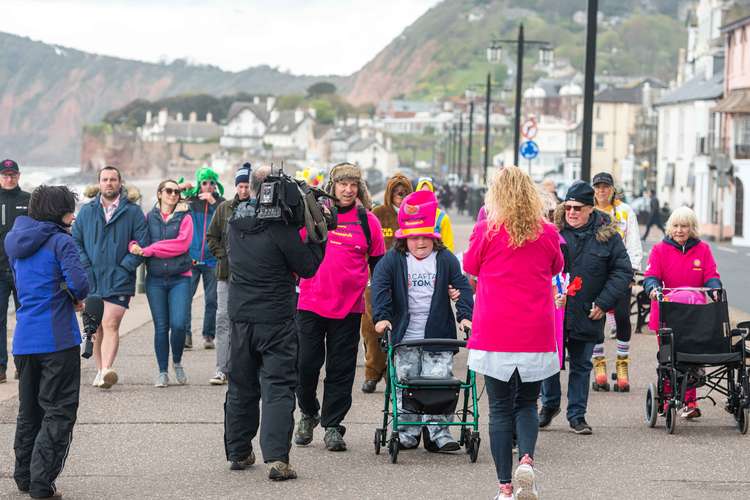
[425, 395]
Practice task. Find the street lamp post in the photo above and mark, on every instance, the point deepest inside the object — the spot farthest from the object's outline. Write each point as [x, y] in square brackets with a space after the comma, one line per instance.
[471, 141]
[494, 54]
[487, 128]
[588, 90]
[460, 141]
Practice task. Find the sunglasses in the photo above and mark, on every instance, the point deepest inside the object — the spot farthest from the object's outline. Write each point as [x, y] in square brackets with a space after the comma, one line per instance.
[400, 194]
[575, 208]
[170, 191]
[208, 183]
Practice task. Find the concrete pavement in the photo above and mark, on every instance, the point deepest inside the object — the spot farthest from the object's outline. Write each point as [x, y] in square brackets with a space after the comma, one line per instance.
[136, 441]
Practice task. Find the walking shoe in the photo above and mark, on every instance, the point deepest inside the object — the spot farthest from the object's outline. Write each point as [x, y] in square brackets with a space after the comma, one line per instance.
[280, 471]
[109, 378]
[369, 386]
[242, 464]
[621, 369]
[334, 439]
[219, 379]
[600, 374]
[690, 411]
[546, 414]
[208, 343]
[407, 442]
[3, 376]
[524, 480]
[98, 379]
[188, 342]
[304, 433]
[580, 427]
[162, 380]
[56, 494]
[505, 492]
[179, 374]
[448, 446]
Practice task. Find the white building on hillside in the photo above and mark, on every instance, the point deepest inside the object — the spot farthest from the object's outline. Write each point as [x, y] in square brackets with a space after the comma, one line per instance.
[246, 124]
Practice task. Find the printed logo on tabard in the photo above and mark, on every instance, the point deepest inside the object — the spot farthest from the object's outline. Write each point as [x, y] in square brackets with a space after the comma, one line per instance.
[697, 265]
[411, 209]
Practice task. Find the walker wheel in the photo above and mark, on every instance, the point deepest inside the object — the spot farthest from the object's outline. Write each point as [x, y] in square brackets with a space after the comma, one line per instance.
[377, 440]
[474, 446]
[651, 408]
[466, 438]
[393, 447]
[743, 418]
[671, 419]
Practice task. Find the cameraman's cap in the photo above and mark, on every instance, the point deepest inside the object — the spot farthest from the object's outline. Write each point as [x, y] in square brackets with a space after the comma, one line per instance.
[603, 178]
[243, 173]
[9, 166]
[582, 192]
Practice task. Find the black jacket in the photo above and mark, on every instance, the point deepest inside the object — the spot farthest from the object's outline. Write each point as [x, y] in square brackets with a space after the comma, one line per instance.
[263, 259]
[390, 295]
[596, 254]
[13, 202]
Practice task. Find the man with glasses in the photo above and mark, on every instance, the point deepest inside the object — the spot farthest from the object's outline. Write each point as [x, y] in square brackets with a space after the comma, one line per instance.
[13, 202]
[102, 232]
[600, 273]
[203, 199]
[397, 188]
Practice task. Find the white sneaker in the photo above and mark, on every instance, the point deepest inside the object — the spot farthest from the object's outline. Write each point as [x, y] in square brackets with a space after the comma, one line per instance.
[162, 380]
[505, 492]
[219, 379]
[179, 374]
[98, 379]
[524, 480]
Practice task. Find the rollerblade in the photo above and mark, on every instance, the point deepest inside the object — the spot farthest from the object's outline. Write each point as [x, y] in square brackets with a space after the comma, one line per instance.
[600, 382]
[621, 378]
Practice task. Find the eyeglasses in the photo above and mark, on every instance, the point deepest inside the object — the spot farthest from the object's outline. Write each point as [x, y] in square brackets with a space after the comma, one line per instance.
[208, 183]
[575, 208]
[170, 191]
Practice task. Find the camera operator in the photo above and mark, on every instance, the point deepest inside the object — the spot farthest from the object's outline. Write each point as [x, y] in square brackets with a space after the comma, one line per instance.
[46, 343]
[263, 255]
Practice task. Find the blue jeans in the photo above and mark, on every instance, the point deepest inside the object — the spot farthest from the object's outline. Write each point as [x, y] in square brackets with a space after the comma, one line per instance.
[512, 403]
[579, 375]
[6, 291]
[209, 297]
[169, 300]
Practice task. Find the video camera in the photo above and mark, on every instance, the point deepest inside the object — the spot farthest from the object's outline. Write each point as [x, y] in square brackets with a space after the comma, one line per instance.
[292, 201]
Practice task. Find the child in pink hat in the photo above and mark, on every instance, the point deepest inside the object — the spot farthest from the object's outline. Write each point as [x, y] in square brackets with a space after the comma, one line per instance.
[411, 295]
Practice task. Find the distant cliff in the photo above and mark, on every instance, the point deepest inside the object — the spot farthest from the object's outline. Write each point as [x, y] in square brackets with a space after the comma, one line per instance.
[47, 93]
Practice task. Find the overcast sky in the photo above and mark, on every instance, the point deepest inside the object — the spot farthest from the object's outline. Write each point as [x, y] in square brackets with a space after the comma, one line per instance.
[304, 36]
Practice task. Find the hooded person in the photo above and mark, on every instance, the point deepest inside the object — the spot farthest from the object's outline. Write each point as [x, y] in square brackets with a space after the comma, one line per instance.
[411, 296]
[397, 188]
[442, 221]
[203, 198]
[330, 309]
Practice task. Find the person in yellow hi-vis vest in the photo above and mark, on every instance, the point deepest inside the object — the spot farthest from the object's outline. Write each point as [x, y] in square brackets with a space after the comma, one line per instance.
[442, 221]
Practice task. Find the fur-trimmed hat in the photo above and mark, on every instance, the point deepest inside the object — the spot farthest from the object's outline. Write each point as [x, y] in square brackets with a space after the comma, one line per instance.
[343, 171]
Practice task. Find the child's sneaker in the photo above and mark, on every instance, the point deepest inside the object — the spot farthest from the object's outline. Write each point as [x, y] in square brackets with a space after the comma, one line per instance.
[505, 492]
[691, 411]
[524, 479]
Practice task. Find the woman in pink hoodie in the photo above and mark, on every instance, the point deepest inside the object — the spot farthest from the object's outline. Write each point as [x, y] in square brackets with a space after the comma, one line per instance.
[168, 267]
[514, 254]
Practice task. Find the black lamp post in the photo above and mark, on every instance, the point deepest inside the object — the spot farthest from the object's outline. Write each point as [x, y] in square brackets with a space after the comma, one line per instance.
[494, 54]
[588, 90]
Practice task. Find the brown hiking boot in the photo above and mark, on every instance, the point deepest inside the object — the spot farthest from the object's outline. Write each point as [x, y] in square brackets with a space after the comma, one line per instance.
[280, 471]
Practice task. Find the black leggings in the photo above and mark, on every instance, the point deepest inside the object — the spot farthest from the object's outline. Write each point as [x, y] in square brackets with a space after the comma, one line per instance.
[622, 318]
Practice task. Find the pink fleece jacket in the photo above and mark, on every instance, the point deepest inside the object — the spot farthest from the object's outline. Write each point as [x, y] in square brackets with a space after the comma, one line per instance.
[165, 249]
[668, 264]
[514, 310]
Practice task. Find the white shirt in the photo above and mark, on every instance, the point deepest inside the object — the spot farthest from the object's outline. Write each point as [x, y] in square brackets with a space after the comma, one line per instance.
[531, 366]
[421, 275]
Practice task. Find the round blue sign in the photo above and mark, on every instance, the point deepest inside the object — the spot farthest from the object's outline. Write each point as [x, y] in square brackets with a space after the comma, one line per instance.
[529, 150]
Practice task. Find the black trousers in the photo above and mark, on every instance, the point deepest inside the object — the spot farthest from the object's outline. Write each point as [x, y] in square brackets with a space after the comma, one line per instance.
[48, 390]
[263, 367]
[622, 318]
[335, 343]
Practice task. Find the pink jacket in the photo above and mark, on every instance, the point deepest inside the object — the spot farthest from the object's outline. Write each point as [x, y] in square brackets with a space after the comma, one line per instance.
[165, 249]
[693, 266]
[514, 310]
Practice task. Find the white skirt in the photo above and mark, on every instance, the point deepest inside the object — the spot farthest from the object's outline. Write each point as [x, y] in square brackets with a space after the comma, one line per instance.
[531, 366]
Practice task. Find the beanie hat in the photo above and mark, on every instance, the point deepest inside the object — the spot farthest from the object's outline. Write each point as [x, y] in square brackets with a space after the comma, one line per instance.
[581, 192]
[417, 214]
[243, 173]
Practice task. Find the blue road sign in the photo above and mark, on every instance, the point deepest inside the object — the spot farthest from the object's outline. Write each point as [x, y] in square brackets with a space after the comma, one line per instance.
[529, 150]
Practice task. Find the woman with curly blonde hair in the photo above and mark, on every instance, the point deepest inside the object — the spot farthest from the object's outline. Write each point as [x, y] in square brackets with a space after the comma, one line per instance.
[515, 254]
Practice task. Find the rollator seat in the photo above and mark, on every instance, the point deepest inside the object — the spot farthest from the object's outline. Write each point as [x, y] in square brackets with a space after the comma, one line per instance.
[707, 359]
[427, 381]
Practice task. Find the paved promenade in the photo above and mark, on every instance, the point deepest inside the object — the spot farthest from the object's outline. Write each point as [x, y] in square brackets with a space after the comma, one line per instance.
[136, 441]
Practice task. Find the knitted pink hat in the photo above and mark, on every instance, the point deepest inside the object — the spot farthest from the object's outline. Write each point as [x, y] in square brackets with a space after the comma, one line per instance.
[417, 214]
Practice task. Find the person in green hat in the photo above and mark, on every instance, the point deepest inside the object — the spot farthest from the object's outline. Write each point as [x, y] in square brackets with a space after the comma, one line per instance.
[203, 198]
